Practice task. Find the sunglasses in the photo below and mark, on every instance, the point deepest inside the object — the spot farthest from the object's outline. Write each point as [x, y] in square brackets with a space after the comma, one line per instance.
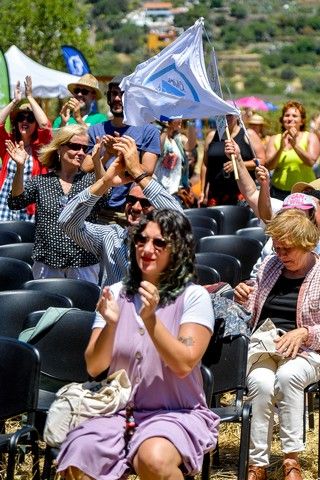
[29, 117]
[144, 202]
[77, 146]
[158, 243]
[83, 91]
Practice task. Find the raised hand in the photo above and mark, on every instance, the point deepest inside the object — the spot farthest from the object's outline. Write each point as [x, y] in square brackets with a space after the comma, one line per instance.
[108, 307]
[17, 152]
[74, 106]
[127, 147]
[17, 92]
[65, 114]
[28, 86]
[262, 175]
[150, 297]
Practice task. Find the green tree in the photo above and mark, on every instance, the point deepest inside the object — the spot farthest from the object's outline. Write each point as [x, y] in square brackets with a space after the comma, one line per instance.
[40, 27]
[238, 11]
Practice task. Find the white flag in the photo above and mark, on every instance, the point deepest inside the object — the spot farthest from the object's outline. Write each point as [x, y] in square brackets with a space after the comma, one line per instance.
[173, 84]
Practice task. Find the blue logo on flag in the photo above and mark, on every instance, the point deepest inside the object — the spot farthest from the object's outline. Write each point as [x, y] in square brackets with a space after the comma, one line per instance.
[170, 80]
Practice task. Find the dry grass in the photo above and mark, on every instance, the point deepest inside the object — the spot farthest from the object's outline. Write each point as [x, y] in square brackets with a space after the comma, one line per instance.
[229, 441]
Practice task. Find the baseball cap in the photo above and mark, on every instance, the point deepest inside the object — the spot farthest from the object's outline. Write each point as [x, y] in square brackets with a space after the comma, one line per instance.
[300, 201]
[301, 186]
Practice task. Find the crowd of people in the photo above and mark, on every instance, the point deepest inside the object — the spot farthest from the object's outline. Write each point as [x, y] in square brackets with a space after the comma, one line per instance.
[108, 204]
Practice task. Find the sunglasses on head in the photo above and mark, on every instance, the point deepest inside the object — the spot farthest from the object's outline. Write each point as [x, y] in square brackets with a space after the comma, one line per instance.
[83, 91]
[77, 146]
[29, 117]
[158, 243]
[144, 202]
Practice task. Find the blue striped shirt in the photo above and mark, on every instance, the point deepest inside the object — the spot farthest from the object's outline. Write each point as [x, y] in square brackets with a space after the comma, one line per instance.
[107, 242]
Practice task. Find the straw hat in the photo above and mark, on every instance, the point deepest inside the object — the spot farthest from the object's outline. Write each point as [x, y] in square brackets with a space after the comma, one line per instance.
[256, 119]
[301, 186]
[89, 81]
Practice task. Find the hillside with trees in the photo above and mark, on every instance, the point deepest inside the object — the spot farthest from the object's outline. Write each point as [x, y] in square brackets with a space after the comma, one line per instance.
[269, 48]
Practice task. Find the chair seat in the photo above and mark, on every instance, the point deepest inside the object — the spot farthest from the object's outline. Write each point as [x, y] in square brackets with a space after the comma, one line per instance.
[228, 413]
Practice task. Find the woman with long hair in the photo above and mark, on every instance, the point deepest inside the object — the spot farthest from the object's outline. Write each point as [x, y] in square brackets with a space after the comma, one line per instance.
[156, 324]
[30, 128]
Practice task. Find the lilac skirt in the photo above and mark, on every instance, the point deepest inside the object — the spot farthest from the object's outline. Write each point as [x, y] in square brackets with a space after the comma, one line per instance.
[97, 446]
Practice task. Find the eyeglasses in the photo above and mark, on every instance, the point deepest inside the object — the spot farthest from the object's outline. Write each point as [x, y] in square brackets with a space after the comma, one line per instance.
[144, 202]
[158, 243]
[29, 117]
[83, 91]
[77, 146]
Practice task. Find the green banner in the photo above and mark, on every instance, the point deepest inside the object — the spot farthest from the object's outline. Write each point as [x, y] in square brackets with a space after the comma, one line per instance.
[4, 84]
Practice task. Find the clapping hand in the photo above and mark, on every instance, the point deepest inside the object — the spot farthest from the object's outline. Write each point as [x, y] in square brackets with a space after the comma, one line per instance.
[17, 93]
[17, 152]
[150, 297]
[28, 86]
[108, 307]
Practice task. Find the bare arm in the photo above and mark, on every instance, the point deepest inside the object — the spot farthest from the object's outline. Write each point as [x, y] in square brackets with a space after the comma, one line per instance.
[5, 111]
[203, 170]
[309, 156]
[272, 154]
[258, 149]
[264, 201]
[40, 116]
[191, 137]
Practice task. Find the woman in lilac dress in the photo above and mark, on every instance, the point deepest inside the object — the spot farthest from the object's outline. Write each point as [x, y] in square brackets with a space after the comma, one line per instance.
[157, 325]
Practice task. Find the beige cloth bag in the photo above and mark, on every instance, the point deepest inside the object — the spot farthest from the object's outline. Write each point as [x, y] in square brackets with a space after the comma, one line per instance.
[76, 402]
[262, 342]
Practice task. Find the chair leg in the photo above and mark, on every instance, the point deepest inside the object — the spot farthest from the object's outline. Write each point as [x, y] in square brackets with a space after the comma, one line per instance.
[205, 472]
[244, 442]
[11, 465]
[310, 397]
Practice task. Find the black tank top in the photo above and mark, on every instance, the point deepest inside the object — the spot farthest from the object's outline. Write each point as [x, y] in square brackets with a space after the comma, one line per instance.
[218, 184]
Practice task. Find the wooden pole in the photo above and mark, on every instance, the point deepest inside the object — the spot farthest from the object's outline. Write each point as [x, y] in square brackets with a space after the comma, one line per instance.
[233, 158]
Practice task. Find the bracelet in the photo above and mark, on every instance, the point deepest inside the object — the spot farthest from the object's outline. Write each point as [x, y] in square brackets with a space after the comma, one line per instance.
[141, 177]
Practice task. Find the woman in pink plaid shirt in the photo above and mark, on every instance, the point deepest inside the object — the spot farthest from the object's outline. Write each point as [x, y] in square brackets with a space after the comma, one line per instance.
[287, 292]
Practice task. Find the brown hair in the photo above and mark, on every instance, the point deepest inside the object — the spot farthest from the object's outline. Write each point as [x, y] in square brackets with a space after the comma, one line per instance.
[299, 107]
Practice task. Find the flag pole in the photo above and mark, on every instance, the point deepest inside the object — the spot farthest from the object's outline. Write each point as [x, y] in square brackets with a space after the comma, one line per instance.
[233, 158]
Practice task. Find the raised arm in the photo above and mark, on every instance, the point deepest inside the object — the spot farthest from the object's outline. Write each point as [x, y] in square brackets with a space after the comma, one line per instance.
[5, 111]
[264, 201]
[19, 155]
[40, 116]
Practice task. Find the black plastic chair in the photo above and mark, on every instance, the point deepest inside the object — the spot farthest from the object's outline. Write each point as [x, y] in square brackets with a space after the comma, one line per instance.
[210, 212]
[83, 294]
[60, 364]
[201, 232]
[228, 267]
[203, 222]
[21, 251]
[19, 380]
[227, 359]
[235, 217]
[257, 233]
[14, 273]
[9, 237]
[15, 305]
[206, 275]
[26, 230]
[246, 250]
[254, 222]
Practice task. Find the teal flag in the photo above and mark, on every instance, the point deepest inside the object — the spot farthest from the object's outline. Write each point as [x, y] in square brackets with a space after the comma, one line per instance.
[4, 84]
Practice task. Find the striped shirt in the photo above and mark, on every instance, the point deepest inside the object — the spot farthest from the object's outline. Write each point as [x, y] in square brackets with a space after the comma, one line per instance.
[107, 242]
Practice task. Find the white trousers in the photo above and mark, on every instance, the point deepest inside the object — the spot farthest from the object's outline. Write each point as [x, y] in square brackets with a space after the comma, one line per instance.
[90, 273]
[279, 382]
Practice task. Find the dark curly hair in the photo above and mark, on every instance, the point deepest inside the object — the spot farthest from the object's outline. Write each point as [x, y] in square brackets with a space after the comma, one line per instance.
[176, 229]
[299, 107]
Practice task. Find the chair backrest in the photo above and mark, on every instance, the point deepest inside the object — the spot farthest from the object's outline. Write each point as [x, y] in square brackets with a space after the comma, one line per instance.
[254, 222]
[204, 222]
[14, 273]
[19, 377]
[228, 267]
[257, 233]
[201, 232]
[217, 215]
[62, 348]
[206, 275]
[9, 237]
[15, 305]
[227, 359]
[246, 250]
[21, 251]
[25, 229]
[83, 294]
[235, 217]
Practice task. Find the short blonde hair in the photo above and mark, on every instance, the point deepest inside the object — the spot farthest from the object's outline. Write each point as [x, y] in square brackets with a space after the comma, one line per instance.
[293, 228]
[49, 155]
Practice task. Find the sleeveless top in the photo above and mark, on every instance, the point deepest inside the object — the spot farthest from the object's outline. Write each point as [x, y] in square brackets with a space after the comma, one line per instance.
[218, 184]
[290, 168]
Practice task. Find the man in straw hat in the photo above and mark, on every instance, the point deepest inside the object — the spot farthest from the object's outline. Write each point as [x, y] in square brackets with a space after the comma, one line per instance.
[256, 122]
[79, 108]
